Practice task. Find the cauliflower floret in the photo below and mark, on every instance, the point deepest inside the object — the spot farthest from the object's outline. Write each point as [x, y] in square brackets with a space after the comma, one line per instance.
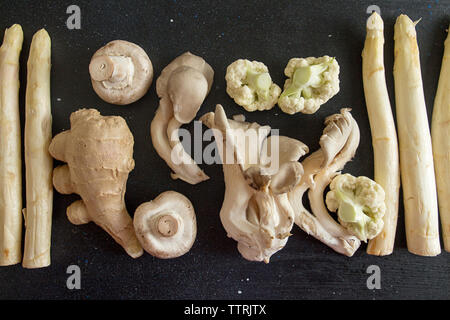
[359, 203]
[312, 82]
[250, 85]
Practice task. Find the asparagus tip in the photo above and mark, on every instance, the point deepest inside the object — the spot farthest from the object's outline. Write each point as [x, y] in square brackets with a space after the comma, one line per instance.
[375, 22]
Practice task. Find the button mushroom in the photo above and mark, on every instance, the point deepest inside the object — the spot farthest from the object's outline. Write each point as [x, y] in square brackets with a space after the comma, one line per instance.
[256, 211]
[166, 227]
[182, 86]
[338, 143]
[121, 72]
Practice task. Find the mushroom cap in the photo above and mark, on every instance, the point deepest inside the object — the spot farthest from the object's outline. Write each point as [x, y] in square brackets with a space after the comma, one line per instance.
[142, 75]
[187, 89]
[187, 59]
[286, 149]
[257, 177]
[187, 81]
[287, 177]
[166, 227]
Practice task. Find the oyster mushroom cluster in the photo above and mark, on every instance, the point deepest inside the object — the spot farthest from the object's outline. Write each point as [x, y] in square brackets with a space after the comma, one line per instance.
[338, 145]
[256, 211]
[262, 201]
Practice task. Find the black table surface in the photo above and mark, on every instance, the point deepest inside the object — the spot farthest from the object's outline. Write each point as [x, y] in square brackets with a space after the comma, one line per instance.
[221, 32]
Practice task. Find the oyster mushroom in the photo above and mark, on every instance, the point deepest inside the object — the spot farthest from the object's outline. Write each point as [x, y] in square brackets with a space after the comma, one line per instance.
[166, 227]
[182, 86]
[121, 72]
[287, 177]
[338, 143]
[254, 213]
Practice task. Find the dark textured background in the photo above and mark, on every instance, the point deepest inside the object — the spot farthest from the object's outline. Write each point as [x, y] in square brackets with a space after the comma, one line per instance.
[221, 32]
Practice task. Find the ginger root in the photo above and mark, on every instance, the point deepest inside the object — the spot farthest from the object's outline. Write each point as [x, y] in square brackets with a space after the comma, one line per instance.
[99, 154]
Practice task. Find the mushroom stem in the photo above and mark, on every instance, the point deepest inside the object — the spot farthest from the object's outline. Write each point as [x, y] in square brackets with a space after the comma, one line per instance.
[178, 160]
[111, 68]
[167, 225]
[172, 132]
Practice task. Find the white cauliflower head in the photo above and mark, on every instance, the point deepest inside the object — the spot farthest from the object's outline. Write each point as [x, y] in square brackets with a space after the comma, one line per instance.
[312, 82]
[359, 202]
[250, 85]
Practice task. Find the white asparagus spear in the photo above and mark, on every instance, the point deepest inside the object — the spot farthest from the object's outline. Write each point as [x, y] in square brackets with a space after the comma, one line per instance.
[440, 134]
[384, 135]
[10, 149]
[416, 154]
[38, 162]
